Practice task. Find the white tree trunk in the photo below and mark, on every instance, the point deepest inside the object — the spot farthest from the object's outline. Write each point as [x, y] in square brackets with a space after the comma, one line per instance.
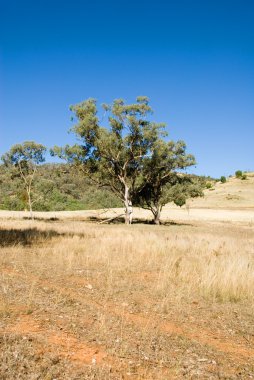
[128, 206]
[30, 203]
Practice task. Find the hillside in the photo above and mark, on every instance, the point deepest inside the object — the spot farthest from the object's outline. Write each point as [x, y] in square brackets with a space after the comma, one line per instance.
[57, 187]
[234, 194]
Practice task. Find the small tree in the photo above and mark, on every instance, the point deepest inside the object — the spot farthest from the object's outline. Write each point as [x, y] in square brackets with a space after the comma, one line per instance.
[113, 156]
[24, 159]
[223, 179]
[161, 181]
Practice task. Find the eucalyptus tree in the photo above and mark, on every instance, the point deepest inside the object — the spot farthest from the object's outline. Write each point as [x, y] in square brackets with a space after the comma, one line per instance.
[24, 159]
[162, 180]
[113, 154]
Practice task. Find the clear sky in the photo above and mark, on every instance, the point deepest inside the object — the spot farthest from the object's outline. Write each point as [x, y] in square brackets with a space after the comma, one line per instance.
[194, 59]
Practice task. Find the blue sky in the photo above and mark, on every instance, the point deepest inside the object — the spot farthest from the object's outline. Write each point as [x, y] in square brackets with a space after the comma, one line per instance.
[193, 59]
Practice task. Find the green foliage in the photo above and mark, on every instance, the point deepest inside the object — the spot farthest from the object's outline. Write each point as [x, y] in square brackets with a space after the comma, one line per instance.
[113, 156]
[129, 156]
[239, 174]
[177, 190]
[23, 159]
[57, 187]
[161, 180]
[188, 187]
[223, 179]
[128, 161]
[208, 185]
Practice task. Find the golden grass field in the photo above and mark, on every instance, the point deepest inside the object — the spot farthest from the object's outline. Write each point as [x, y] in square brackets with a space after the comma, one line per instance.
[83, 300]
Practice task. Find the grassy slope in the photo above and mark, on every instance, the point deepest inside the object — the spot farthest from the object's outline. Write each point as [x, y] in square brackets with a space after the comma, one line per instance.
[234, 194]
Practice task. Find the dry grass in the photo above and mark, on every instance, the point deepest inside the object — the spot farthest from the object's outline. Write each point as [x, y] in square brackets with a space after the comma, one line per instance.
[116, 302]
[235, 194]
[218, 264]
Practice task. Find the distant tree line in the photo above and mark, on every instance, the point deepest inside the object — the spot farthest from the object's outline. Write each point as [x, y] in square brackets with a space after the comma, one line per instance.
[125, 156]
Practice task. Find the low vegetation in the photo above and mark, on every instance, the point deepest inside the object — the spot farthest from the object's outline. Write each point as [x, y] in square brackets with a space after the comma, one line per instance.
[240, 175]
[100, 302]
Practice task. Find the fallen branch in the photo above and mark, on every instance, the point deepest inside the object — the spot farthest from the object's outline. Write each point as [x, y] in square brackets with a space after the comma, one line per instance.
[105, 211]
[110, 219]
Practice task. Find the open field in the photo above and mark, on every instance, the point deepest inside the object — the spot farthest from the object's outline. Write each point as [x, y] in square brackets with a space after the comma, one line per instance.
[86, 301]
[169, 214]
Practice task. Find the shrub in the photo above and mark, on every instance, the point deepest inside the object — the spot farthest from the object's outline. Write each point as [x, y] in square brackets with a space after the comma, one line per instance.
[208, 185]
[244, 176]
[223, 179]
[238, 174]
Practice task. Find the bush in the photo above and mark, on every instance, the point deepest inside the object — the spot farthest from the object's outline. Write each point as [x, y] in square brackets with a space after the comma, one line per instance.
[244, 176]
[223, 179]
[238, 174]
[208, 185]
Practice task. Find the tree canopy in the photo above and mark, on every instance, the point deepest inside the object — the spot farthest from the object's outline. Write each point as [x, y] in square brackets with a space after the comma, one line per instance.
[113, 154]
[162, 180]
[129, 154]
[24, 159]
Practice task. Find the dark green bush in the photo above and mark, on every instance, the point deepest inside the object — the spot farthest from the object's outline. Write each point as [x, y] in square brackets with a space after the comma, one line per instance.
[239, 174]
[223, 179]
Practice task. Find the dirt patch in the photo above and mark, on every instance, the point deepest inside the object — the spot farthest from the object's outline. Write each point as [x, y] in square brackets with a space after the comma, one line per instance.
[61, 342]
